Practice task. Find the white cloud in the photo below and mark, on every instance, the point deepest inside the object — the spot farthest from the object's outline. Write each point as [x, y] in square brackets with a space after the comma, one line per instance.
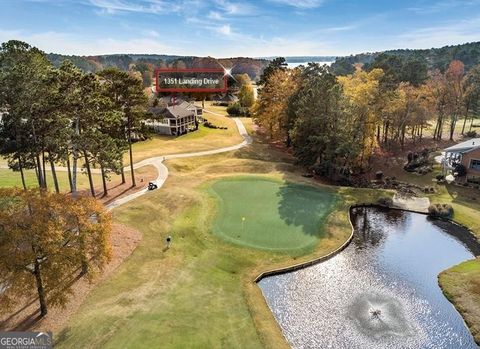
[224, 29]
[216, 16]
[301, 4]
[442, 6]
[447, 33]
[78, 45]
[339, 28]
[235, 8]
[145, 6]
[151, 33]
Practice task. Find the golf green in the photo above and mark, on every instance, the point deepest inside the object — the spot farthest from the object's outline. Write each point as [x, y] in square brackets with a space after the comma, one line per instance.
[268, 214]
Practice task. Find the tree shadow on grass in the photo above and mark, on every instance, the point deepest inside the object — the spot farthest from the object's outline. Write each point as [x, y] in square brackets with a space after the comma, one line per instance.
[305, 207]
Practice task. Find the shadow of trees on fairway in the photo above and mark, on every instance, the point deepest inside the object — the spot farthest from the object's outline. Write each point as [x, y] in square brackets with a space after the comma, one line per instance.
[304, 206]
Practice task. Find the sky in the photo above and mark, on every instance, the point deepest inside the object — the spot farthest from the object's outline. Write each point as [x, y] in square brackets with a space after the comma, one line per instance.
[228, 28]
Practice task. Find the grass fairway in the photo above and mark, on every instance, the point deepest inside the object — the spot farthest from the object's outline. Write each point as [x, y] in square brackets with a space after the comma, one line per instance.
[199, 293]
[271, 215]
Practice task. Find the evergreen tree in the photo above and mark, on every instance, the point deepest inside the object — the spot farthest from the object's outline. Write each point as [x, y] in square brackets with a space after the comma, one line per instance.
[126, 94]
[278, 63]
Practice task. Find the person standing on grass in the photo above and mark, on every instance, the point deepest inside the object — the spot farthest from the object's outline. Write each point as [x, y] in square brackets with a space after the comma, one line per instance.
[169, 241]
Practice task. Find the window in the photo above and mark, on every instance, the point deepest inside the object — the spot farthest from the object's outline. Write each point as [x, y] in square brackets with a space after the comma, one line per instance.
[475, 164]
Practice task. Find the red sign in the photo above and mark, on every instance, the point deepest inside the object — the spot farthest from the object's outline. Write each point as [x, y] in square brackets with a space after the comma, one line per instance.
[191, 80]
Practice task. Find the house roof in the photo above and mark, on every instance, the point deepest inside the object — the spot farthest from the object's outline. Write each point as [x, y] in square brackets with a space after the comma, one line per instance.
[178, 111]
[168, 100]
[172, 112]
[227, 97]
[464, 147]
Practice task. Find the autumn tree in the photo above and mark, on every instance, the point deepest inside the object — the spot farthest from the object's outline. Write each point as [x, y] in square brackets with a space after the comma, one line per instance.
[44, 238]
[270, 110]
[362, 88]
[471, 97]
[454, 77]
[245, 95]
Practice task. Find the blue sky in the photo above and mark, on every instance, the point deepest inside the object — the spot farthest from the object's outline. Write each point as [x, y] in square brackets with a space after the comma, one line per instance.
[225, 28]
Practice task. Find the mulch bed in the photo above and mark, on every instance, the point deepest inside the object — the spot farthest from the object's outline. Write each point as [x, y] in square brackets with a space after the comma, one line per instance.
[25, 317]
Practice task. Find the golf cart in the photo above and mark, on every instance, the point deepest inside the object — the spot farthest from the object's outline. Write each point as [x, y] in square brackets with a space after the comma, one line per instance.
[152, 186]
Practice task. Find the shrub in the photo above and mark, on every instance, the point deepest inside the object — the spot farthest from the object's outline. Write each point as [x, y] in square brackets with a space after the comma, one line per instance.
[234, 109]
[440, 210]
[460, 170]
[471, 134]
[385, 201]
[237, 110]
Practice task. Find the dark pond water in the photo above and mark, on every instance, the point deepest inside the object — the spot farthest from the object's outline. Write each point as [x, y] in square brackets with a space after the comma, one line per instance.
[380, 292]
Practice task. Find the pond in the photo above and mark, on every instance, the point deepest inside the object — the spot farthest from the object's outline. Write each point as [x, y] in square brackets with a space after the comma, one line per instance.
[379, 292]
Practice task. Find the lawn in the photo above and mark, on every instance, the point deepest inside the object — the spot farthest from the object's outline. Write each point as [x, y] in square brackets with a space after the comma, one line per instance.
[9, 178]
[461, 284]
[271, 215]
[202, 139]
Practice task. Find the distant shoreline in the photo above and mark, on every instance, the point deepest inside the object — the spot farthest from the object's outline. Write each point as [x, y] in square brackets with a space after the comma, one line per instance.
[296, 64]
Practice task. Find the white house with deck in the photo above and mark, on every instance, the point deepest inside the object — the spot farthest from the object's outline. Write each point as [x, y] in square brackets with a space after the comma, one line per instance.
[467, 154]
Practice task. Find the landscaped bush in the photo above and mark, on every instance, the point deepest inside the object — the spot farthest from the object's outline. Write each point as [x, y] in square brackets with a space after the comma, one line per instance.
[221, 104]
[237, 110]
[208, 124]
[385, 201]
[440, 210]
[418, 162]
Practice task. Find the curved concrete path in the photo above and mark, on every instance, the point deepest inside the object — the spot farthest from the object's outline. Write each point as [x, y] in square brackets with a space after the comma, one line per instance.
[157, 162]
[162, 170]
[418, 204]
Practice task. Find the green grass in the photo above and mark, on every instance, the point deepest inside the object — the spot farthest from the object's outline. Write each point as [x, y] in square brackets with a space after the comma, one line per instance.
[271, 215]
[199, 293]
[9, 178]
[202, 139]
[187, 297]
[461, 284]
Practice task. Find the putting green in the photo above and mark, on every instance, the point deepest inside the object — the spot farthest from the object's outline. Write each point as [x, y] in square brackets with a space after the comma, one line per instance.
[268, 214]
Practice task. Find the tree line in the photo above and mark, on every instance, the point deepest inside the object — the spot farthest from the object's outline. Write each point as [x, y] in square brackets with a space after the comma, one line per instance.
[334, 124]
[434, 58]
[52, 116]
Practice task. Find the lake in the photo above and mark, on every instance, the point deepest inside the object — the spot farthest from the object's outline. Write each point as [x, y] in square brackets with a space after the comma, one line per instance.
[381, 291]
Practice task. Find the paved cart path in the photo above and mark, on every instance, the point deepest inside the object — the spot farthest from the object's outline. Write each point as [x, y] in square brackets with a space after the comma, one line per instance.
[162, 170]
[157, 162]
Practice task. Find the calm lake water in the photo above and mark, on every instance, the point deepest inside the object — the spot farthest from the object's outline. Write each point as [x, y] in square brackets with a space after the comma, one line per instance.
[381, 291]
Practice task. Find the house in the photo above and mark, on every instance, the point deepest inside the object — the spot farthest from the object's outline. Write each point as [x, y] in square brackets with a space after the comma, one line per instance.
[467, 154]
[226, 98]
[175, 117]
